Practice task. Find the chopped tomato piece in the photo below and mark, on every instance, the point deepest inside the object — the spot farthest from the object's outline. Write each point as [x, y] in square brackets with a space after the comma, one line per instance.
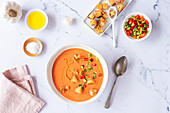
[147, 22]
[133, 25]
[82, 77]
[84, 85]
[137, 16]
[134, 37]
[142, 18]
[86, 59]
[128, 33]
[100, 74]
[141, 25]
[142, 35]
[94, 64]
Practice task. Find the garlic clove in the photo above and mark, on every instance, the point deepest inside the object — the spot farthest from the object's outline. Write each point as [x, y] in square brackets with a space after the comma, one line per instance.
[68, 21]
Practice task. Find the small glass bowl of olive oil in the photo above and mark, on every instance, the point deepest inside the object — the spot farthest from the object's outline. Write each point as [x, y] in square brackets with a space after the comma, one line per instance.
[36, 20]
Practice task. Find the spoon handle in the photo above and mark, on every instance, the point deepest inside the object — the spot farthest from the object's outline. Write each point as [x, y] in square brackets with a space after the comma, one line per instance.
[113, 31]
[107, 104]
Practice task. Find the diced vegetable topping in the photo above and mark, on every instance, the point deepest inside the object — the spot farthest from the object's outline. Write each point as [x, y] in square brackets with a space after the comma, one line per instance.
[86, 59]
[94, 73]
[90, 55]
[86, 75]
[82, 66]
[85, 80]
[100, 74]
[94, 77]
[94, 64]
[137, 27]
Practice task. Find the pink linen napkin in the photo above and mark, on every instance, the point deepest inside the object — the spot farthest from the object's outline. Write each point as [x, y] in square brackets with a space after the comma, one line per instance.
[17, 92]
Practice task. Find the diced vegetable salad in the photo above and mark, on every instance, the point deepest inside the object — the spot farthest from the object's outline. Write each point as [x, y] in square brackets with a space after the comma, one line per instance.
[137, 27]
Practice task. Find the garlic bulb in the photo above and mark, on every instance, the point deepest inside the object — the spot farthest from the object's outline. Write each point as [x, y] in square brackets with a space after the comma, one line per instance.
[68, 21]
[11, 12]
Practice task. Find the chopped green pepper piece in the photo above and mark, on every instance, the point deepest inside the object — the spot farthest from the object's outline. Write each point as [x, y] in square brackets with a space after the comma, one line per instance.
[140, 31]
[85, 70]
[97, 58]
[85, 80]
[147, 31]
[80, 84]
[94, 77]
[94, 73]
[143, 22]
[86, 75]
[128, 28]
[137, 37]
[145, 25]
[90, 55]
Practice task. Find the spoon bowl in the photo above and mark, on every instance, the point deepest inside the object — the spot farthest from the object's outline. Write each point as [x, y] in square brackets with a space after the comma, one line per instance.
[120, 66]
[115, 16]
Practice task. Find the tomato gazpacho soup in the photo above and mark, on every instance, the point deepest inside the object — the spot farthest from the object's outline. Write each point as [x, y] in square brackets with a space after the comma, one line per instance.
[77, 74]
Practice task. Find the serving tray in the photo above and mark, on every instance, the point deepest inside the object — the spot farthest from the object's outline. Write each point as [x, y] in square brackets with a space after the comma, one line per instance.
[86, 20]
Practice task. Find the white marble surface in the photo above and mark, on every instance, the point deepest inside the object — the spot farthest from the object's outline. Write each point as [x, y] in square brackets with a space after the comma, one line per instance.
[145, 87]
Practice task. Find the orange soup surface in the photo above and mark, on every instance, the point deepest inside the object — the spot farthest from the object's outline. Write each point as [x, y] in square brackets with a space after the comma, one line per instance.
[77, 74]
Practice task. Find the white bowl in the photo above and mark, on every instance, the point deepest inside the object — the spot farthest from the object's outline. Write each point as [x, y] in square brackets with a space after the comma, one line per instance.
[39, 10]
[87, 48]
[134, 14]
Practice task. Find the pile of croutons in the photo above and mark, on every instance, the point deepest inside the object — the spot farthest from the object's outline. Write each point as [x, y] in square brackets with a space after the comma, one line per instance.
[102, 15]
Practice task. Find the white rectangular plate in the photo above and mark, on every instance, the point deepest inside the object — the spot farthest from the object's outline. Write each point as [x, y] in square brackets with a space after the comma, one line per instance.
[86, 20]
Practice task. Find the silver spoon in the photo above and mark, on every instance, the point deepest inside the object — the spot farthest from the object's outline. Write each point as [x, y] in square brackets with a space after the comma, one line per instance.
[113, 23]
[119, 69]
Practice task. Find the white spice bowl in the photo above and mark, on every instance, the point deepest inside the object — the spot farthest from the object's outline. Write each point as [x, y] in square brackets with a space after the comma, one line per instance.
[29, 41]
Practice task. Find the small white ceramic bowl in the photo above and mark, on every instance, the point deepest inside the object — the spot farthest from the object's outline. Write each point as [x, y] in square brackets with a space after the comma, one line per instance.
[134, 14]
[39, 10]
[87, 48]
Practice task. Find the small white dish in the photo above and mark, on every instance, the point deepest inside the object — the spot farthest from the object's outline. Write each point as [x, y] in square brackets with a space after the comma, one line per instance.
[134, 14]
[39, 10]
[87, 48]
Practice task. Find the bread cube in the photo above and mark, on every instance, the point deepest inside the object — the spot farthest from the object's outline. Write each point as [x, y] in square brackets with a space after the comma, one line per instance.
[98, 13]
[105, 6]
[101, 22]
[91, 16]
[79, 90]
[74, 79]
[120, 7]
[98, 29]
[112, 2]
[104, 15]
[112, 13]
[99, 6]
[93, 22]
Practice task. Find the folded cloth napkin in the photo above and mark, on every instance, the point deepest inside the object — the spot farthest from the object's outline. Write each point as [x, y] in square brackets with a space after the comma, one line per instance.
[17, 92]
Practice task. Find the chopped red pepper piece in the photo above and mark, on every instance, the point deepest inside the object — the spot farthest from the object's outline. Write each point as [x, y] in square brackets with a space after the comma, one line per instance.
[100, 74]
[82, 77]
[94, 64]
[86, 59]
[84, 85]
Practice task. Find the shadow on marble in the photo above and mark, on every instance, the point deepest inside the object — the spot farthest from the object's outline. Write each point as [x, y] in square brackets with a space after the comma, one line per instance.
[51, 21]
